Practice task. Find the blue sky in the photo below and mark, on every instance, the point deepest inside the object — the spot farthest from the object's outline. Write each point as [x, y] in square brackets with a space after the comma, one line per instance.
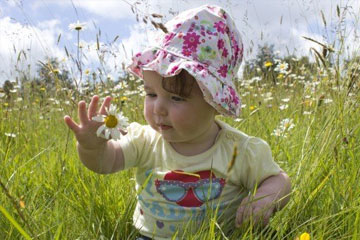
[34, 26]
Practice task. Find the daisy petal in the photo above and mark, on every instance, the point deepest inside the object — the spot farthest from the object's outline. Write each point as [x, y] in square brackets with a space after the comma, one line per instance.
[107, 133]
[112, 109]
[100, 129]
[98, 118]
[115, 134]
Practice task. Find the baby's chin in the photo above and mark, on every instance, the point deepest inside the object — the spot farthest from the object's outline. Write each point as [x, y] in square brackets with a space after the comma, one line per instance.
[168, 136]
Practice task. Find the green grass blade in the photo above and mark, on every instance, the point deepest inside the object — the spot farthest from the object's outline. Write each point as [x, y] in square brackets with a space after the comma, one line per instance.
[16, 225]
[58, 232]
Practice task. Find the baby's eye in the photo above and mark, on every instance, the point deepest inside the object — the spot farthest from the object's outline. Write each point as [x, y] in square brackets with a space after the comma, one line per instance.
[150, 94]
[177, 99]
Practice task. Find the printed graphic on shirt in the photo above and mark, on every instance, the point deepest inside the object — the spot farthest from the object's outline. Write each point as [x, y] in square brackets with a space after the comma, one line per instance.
[190, 189]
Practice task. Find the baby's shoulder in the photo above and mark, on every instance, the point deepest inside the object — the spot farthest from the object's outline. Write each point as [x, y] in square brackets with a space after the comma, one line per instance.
[232, 134]
[238, 137]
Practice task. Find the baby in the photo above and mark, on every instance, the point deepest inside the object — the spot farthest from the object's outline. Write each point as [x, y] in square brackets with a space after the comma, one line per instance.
[182, 156]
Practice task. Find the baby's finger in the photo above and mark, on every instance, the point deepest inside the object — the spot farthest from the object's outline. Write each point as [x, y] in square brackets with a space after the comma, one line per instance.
[71, 124]
[93, 107]
[267, 217]
[248, 212]
[105, 104]
[262, 215]
[239, 216]
[82, 113]
[257, 215]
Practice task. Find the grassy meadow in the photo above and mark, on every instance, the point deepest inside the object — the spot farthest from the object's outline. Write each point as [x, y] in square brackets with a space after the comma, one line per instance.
[310, 116]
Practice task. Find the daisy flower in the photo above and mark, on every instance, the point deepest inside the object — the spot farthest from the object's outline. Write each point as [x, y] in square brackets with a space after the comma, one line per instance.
[281, 67]
[284, 127]
[112, 123]
[287, 124]
[277, 132]
[78, 26]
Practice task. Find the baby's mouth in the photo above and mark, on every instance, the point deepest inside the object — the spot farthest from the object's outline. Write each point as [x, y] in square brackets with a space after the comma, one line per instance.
[164, 127]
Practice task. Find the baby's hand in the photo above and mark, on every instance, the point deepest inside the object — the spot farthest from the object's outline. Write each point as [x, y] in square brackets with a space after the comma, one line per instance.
[85, 133]
[259, 208]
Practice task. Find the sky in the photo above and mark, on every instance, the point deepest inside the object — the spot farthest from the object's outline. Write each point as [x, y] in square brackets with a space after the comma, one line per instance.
[33, 30]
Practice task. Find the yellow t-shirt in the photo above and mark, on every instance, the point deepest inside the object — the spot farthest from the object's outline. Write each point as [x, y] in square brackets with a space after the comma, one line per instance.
[177, 188]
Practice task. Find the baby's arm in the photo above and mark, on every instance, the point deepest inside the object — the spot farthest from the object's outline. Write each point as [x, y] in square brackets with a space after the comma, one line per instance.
[97, 154]
[272, 194]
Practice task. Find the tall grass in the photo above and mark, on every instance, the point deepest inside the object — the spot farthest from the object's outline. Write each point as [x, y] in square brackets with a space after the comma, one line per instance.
[46, 193]
[57, 196]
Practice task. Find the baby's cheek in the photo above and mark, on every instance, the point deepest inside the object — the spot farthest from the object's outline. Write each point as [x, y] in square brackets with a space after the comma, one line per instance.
[180, 118]
[148, 113]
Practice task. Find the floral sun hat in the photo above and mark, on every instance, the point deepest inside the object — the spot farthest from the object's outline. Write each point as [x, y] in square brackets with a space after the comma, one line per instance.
[205, 42]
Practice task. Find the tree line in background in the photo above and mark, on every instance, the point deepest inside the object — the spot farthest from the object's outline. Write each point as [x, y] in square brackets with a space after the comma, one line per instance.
[267, 66]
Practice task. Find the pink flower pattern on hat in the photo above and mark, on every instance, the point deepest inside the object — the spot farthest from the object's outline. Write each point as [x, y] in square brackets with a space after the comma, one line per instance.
[205, 42]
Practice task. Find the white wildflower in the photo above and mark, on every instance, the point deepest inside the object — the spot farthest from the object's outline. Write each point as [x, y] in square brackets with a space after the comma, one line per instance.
[12, 135]
[287, 124]
[78, 26]
[277, 132]
[328, 100]
[283, 106]
[281, 67]
[284, 127]
[112, 123]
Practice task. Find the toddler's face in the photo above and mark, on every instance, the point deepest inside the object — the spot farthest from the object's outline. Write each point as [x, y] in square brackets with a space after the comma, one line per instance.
[178, 119]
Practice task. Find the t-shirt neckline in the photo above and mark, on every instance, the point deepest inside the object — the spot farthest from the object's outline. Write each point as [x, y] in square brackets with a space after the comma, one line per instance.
[209, 151]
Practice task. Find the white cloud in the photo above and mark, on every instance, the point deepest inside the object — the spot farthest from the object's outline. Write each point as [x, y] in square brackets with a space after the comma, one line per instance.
[279, 22]
[257, 20]
[34, 42]
[114, 55]
[113, 9]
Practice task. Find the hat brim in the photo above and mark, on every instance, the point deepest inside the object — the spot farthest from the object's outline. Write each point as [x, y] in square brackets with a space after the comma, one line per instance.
[221, 96]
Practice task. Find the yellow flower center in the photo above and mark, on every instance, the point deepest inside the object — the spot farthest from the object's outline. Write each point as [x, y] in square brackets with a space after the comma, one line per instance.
[111, 121]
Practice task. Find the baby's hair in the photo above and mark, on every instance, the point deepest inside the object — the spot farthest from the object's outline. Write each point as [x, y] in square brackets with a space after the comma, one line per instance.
[181, 84]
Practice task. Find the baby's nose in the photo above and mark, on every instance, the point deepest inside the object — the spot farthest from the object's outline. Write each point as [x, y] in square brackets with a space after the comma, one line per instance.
[160, 107]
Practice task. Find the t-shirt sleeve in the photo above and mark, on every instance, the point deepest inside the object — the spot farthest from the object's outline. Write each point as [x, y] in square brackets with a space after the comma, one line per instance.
[133, 145]
[257, 164]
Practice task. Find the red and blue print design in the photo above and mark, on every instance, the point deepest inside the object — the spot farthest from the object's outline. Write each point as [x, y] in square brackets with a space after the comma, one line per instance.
[190, 190]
